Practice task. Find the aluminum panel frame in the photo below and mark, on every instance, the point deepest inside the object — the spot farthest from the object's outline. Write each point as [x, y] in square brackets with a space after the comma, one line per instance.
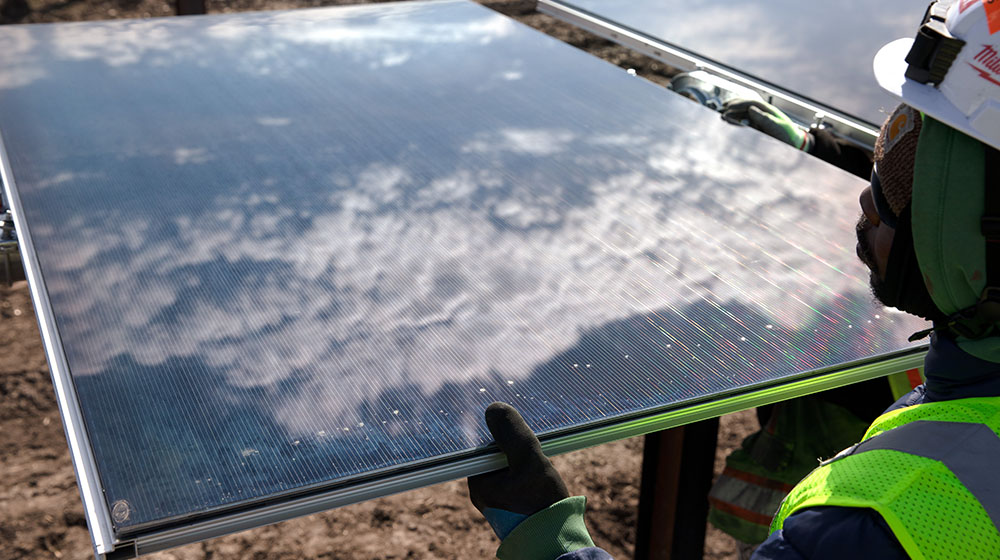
[84, 464]
[407, 476]
[556, 444]
[806, 111]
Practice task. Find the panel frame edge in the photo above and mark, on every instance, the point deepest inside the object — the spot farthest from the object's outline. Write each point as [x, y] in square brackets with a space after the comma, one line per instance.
[854, 129]
[555, 444]
[84, 462]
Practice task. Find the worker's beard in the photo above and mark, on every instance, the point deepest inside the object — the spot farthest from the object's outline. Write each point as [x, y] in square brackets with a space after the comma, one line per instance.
[913, 297]
[867, 257]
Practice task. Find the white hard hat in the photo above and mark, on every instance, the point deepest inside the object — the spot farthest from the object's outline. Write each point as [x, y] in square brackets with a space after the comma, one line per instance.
[951, 70]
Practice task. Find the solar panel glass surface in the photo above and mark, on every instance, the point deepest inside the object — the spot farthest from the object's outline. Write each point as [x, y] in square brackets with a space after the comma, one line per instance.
[820, 50]
[293, 249]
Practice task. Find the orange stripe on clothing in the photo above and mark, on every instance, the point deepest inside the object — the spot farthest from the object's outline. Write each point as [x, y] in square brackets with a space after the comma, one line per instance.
[744, 514]
[758, 480]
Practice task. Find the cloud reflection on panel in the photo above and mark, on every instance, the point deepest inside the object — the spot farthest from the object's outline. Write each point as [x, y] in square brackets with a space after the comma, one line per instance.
[388, 38]
[280, 279]
[820, 50]
[446, 274]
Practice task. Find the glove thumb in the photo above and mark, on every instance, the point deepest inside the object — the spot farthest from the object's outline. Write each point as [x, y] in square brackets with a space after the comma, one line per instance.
[777, 127]
[514, 437]
[530, 483]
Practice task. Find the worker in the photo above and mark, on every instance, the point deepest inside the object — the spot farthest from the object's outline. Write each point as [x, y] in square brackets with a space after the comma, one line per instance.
[920, 484]
[794, 433]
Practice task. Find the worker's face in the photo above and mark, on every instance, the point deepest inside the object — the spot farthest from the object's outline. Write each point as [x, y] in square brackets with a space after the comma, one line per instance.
[874, 242]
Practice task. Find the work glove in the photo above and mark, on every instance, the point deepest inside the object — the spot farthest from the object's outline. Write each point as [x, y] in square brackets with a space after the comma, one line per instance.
[768, 119]
[530, 483]
[526, 503]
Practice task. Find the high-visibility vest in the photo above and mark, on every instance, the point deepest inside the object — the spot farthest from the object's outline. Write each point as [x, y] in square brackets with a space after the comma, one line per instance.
[767, 465]
[929, 470]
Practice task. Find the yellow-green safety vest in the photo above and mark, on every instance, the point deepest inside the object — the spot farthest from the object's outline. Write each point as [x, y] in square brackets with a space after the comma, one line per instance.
[930, 470]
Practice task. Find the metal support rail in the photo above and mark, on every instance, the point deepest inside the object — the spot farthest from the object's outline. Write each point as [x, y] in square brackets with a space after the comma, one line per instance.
[8, 238]
[94, 506]
[801, 109]
[417, 476]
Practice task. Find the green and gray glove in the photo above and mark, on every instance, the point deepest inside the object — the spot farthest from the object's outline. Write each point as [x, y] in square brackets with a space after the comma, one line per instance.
[527, 503]
[768, 119]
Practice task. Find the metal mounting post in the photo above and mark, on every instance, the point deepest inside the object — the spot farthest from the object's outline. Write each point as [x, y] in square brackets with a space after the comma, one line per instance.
[673, 495]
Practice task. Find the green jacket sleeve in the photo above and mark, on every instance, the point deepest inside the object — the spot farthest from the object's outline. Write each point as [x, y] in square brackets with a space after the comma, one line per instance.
[549, 533]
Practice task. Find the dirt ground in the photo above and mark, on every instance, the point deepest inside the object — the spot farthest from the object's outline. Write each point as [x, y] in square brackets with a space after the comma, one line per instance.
[41, 515]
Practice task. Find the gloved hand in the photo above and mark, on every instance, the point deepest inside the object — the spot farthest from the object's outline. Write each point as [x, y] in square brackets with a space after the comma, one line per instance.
[529, 483]
[527, 504]
[768, 119]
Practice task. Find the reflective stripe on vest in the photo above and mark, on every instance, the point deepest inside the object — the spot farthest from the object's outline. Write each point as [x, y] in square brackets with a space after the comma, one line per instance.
[752, 498]
[963, 447]
[927, 470]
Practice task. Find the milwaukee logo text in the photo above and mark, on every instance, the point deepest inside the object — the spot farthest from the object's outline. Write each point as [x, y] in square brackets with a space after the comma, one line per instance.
[989, 58]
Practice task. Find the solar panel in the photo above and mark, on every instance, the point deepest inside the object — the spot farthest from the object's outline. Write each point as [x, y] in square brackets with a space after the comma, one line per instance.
[282, 258]
[820, 50]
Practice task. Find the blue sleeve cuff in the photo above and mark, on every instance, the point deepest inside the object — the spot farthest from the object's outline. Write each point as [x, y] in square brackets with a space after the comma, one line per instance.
[503, 521]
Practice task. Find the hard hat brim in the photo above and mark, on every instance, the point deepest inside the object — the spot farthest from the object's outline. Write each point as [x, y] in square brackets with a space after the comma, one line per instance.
[890, 71]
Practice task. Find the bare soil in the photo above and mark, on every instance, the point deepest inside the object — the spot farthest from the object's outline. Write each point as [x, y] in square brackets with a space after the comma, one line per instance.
[41, 515]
